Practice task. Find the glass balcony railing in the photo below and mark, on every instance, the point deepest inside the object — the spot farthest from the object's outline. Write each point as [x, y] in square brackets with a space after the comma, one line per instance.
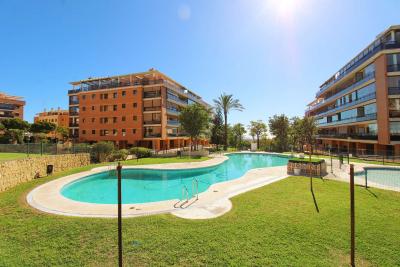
[177, 99]
[152, 135]
[7, 106]
[393, 68]
[394, 90]
[152, 122]
[357, 136]
[74, 102]
[347, 105]
[356, 63]
[173, 122]
[73, 113]
[155, 108]
[345, 91]
[173, 111]
[367, 117]
[151, 94]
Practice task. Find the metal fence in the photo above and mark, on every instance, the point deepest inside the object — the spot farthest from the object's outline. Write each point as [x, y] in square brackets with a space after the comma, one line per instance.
[44, 148]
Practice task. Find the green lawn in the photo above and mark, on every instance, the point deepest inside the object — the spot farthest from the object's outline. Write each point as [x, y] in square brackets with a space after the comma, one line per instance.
[11, 156]
[274, 225]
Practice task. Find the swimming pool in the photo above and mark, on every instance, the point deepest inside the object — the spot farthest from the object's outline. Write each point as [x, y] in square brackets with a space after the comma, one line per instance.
[151, 185]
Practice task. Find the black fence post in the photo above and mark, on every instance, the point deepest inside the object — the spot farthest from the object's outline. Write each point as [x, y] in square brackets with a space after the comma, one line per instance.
[119, 168]
[41, 148]
[352, 219]
[366, 177]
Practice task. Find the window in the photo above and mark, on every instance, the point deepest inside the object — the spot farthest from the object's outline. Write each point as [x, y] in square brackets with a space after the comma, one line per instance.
[93, 131]
[93, 120]
[115, 132]
[394, 107]
[395, 127]
[123, 105]
[393, 62]
[135, 118]
[133, 131]
[393, 82]
[83, 131]
[114, 119]
[135, 92]
[123, 132]
[83, 120]
[115, 95]
[83, 97]
[93, 96]
[123, 93]
[92, 107]
[135, 105]
[83, 108]
[115, 107]
[123, 118]
[103, 132]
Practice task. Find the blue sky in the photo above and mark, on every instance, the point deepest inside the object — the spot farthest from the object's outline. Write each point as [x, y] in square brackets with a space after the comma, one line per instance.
[271, 54]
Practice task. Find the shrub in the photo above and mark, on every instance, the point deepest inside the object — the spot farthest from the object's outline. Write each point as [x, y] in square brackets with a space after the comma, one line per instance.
[118, 155]
[140, 152]
[102, 150]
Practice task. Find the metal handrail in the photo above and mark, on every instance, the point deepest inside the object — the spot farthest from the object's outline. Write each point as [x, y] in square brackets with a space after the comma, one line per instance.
[185, 191]
[195, 184]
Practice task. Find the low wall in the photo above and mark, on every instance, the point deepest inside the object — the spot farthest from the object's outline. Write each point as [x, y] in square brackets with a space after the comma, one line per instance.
[317, 169]
[15, 172]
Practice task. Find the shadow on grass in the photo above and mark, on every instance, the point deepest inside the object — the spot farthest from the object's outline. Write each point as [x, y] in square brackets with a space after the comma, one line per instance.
[368, 190]
[313, 195]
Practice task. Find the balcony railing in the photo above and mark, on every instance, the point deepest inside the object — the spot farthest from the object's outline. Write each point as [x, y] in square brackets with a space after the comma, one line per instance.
[367, 78]
[173, 111]
[73, 125]
[347, 105]
[73, 113]
[176, 134]
[394, 90]
[177, 99]
[367, 117]
[156, 108]
[152, 135]
[152, 122]
[8, 106]
[7, 115]
[395, 137]
[358, 136]
[173, 122]
[393, 68]
[74, 102]
[343, 73]
[151, 94]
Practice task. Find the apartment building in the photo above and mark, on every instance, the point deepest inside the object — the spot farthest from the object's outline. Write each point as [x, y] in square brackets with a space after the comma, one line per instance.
[138, 109]
[358, 108]
[11, 106]
[57, 116]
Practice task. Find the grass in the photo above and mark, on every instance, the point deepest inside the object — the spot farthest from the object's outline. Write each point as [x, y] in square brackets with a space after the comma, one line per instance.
[313, 160]
[276, 225]
[12, 156]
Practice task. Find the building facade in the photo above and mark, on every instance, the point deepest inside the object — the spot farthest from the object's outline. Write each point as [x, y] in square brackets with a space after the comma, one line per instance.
[57, 116]
[139, 109]
[11, 106]
[357, 110]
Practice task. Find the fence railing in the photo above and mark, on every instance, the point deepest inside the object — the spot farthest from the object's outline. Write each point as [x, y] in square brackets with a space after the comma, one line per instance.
[44, 148]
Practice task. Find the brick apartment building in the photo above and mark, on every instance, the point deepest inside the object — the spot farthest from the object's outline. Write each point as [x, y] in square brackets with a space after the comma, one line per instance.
[57, 116]
[11, 106]
[358, 108]
[138, 109]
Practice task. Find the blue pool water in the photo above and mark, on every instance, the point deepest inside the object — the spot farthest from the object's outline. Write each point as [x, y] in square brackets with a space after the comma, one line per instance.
[141, 185]
[384, 176]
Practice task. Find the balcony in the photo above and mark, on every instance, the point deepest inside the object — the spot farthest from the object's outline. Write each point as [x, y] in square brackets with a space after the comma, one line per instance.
[155, 108]
[155, 122]
[107, 84]
[152, 135]
[367, 117]
[353, 103]
[393, 68]
[74, 102]
[74, 113]
[394, 90]
[177, 135]
[151, 94]
[395, 137]
[358, 136]
[347, 69]
[173, 122]
[7, 106]
[73, 125]
[367, 78]
[172, 111]
[177, 99]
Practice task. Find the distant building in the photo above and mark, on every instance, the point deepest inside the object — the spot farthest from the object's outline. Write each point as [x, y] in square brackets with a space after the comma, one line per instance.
[11, 106]
[139, 109]
[358, 109]
[57, 116]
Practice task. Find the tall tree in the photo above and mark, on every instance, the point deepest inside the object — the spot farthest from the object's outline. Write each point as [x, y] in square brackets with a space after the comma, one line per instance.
[217, 128]
[309, 132]
[238, 131]
[296, 134]
[62, 132]
[227, 103]
[14, 130]
[194, 120]
[257, 129]
[279, 127]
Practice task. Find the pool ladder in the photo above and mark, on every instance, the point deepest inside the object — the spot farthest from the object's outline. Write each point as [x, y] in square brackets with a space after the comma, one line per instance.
[186, 195]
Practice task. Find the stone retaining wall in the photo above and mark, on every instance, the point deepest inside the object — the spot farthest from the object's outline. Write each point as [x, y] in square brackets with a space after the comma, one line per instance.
[317, 170]
[15, 172]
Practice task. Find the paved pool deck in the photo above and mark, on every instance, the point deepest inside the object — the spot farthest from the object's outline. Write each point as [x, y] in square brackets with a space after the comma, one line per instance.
[212, 203]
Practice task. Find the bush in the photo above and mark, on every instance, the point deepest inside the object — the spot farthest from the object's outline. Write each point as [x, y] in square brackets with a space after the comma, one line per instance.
[140, 152]
[102, 150]
[118, 155]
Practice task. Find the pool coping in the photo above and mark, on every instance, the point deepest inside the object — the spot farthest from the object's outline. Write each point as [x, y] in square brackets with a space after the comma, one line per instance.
[211, 203]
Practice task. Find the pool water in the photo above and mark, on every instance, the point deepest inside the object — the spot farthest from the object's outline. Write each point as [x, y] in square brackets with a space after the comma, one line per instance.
[384, 176]
[150, 185]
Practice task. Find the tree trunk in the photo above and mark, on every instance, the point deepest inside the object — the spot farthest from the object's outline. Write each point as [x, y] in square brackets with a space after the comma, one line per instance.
[226, 131]
[258, 142]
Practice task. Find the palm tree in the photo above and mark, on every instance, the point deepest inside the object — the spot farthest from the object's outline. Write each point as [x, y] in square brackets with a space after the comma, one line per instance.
[227, 103]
